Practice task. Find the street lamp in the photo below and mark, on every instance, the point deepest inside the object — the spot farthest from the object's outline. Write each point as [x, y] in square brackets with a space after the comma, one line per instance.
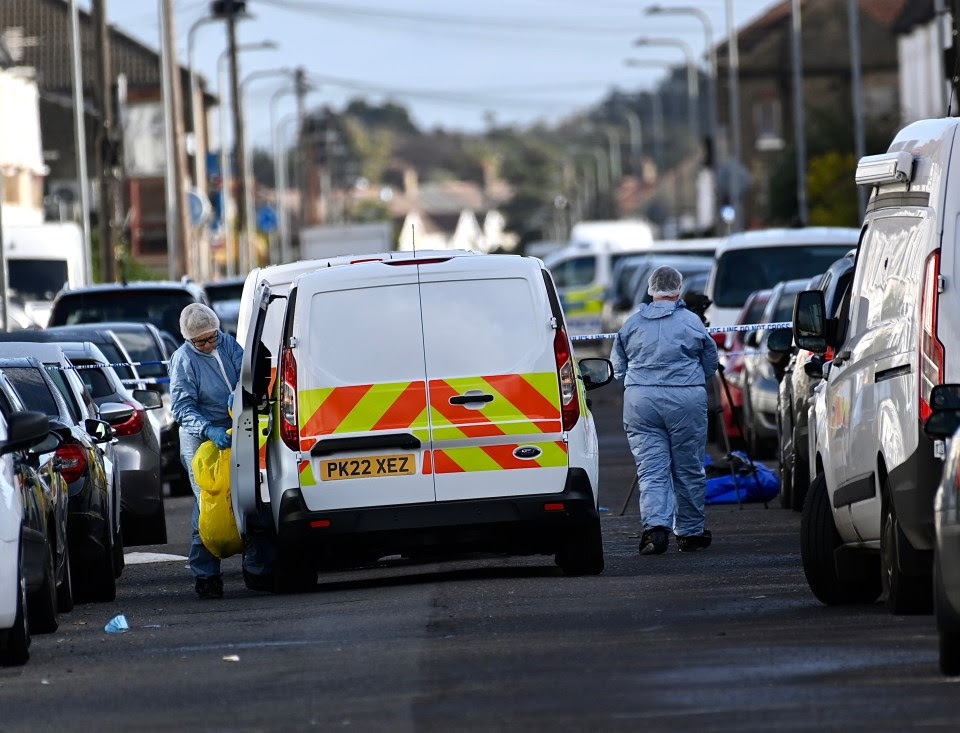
[693, 84]
[280, 171]
[224, 154]
[657, 109]
[248, 180]
[733, 73]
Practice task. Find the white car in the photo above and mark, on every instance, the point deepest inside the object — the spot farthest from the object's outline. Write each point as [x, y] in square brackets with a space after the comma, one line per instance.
[426, 403]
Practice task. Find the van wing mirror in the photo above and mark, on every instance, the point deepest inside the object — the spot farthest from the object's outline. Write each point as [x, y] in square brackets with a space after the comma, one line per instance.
[810, 322]
[595, 372]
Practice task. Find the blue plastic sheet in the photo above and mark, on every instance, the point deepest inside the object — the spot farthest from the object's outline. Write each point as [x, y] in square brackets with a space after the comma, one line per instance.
[755, 481]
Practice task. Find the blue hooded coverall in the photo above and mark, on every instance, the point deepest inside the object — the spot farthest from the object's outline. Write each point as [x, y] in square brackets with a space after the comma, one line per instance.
[199, 390]
[664, 355]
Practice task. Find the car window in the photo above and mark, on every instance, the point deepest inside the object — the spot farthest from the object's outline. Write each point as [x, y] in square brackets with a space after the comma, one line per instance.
[59, 378]
[574, 272]
[36, 279]
[95, 381]
[217, 292]
[159, 307]
[741, 271]
[142, 347]
[33, 390]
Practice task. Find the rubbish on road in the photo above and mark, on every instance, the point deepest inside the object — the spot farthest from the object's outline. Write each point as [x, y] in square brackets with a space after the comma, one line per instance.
[144, 558]
[231, 658]
[150, 626]
[117, 625]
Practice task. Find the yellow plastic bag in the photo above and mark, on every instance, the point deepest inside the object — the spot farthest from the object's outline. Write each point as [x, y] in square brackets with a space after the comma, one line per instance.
[218, 528]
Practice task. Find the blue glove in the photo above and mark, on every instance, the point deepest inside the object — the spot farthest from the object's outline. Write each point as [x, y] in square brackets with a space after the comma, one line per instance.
[230, 401]
[218, 436]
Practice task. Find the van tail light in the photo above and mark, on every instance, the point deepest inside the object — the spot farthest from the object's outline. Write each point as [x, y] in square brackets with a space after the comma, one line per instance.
[132, 425]
[931, 350]
[569, 403]
[72, 461]
[289, 427]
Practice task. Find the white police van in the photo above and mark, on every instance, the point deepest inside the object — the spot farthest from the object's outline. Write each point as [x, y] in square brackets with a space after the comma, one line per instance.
[867, 523]
[425, 403]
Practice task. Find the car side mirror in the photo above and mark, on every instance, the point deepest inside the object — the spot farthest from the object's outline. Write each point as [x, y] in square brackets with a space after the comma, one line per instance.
[945, 397]
[114, 413]
[150, 399]
[99, 430]
[24, 430]
[813, 367]
[810, 322]
[780, 340]
[942, 423]
[595, 372]
[47, 445]
[752, 339]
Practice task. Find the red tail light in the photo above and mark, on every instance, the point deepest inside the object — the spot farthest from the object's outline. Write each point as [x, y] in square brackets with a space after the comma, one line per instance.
[289, 427]
[569, 400]
[132, 425]
[931, 350]
[73, 462]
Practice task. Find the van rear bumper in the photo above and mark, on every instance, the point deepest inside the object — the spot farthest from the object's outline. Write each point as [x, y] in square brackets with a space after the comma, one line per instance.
[529, 524]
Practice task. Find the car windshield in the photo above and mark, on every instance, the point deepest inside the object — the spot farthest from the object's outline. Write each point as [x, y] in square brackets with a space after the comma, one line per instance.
[741, 271]
[142, 347]
[36, 279]
[33, 390]
[159, 307]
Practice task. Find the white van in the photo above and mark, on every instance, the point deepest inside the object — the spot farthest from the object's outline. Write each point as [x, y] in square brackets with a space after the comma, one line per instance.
[425, 403]
[758, 260]
[583, 270]
[42, 259]
[868, 515]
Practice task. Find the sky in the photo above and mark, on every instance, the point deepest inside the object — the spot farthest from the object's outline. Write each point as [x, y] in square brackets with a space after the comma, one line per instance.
[452, 64]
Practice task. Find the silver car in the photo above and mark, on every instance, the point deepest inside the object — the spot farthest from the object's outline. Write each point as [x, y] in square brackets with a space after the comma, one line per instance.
[142, 514]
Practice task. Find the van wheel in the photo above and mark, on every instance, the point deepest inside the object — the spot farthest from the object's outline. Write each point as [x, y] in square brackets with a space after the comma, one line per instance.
[294, 573]
[903, 594]
[42, 603]
[581, 551]
[818, 541]
[15, 641]
[65, 589]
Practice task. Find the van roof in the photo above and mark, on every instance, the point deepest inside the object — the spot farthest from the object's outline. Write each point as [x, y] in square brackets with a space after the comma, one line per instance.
[789, 236]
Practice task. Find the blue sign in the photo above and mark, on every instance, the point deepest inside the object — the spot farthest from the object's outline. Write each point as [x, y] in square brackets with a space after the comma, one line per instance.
[199, 207]
[267, 219]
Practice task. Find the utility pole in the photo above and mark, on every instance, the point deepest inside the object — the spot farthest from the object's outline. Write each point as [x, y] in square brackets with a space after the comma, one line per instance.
[178, 229]
[301, 88]
[106, 158]
[232, 8]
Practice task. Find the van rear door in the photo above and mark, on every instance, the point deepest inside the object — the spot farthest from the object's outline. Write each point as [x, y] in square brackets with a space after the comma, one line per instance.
[492, 377]
[361, 384]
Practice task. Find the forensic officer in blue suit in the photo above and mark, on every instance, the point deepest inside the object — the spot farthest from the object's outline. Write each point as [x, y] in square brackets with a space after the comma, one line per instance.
[664, 357]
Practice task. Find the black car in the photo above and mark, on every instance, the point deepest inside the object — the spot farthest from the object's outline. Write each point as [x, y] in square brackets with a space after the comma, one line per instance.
[93, 520]
[803, 372]
[26, 514]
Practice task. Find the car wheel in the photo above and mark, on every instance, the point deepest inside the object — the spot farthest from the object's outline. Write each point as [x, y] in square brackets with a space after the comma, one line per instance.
[819, 540]
[581, 551]
[97, 582]
[902, 594]
[65, 589]
[15, 641]
[42, 603]
[800, 475]
[947, 623]
[294, 573]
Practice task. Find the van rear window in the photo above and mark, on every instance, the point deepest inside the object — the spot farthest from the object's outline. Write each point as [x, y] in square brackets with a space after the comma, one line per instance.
[741, 271]
[36, 279]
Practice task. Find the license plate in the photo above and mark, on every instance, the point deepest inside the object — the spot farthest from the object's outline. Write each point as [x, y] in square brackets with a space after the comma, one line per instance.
[400, 464]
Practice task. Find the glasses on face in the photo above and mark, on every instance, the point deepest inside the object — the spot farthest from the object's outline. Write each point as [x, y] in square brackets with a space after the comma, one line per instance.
[203, 342]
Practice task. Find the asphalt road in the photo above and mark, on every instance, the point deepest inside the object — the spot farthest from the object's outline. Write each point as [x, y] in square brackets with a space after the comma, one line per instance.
[728, 639]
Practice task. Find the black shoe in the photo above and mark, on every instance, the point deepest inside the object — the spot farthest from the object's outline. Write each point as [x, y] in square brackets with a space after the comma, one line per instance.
[654, 541]
[208, 588]
[694, 542]
[259, 581]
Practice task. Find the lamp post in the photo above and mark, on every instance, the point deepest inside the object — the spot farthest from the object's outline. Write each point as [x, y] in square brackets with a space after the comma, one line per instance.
[733, 74]
[800, 136]
[856, 81]
[80, 141]
[199, 164]
[224, 150]
[280, 170]
[657, 109]
[636, 136]
[693, 83]
[248, 179]
[283, 218]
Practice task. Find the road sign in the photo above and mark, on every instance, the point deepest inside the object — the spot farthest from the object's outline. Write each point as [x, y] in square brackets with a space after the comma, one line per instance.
[200, 208]
[267, 219]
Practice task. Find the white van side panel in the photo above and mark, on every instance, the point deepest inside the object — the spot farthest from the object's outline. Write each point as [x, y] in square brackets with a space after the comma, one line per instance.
[361, 373]
[491, 338]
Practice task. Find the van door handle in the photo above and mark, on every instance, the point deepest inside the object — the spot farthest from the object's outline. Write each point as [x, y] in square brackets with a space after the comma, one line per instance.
[466, 399]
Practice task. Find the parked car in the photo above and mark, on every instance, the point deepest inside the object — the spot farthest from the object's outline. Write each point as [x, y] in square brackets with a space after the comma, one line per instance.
[731, 357]
[28, 597]
[871, 501]
[512, 467]
[803, 372]
[695, 284]
[142, 515]
[760, 379]
[224, 296]
[159, 303]
[944, 424]
[687, 267]
[87, 462]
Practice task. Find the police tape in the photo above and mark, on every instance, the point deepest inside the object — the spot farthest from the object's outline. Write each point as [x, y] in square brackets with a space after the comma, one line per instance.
[714, 329]
[101, 365]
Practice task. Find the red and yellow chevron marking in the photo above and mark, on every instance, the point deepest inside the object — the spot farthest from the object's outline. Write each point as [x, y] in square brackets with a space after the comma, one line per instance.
[363, 408]
[306, 474]
[497, 458]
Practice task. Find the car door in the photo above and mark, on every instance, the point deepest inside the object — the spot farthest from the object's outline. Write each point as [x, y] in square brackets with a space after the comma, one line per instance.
[492, 377]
